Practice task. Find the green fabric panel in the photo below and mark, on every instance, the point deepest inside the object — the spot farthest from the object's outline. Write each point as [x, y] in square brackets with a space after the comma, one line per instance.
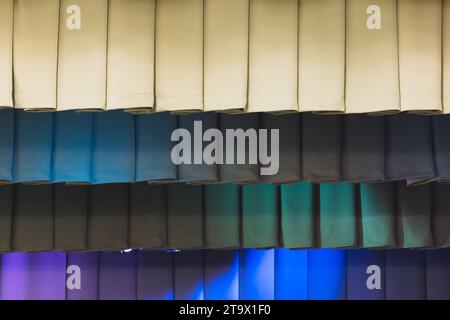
[260, 216]
[414, 217]
[378, 214]
[337, 215]
[185, 216]
[297, 215]
[222, 215]
[441, 214]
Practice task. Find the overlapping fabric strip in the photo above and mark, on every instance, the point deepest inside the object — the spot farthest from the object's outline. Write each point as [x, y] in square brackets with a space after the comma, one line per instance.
[298, 215]
[113, 147]
[352, 56]
[275, 274]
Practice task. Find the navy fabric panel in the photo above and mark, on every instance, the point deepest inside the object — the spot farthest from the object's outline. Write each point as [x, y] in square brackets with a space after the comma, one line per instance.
[153, 147]
[221, 275]
[33, 218]
[440, 217]
[365, 275]
[33, 140]
[438, 274]
[239, 172]
[108, 217]
[71, 208]
[414, 217]
[154, 275]
[6, 214]
[117, 276]
[363, 148]
[288, 126]
[87, 264]
[188, 275]
[409, 148]
[147, 216]
[185, 216]
[36, 276]
[405, 275]
[326, 274]
[441, 134]
[113, 157]
[257, 274]
[321, 147]
[198, 171]
[6, 145]
[291, 274]
[72, 147]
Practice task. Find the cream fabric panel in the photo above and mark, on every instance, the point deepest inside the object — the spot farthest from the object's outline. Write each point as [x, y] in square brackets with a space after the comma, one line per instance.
[372, 57]
[82, 55]
[321, 55]
[446, 57]
[226, 54]
[131, 39]
[419, 36]
[179, 55]
[36, 26]
[6, 31]
[273, 60]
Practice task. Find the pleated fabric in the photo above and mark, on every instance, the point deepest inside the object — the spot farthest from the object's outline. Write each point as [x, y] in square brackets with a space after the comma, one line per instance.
[445, 56]
[410, 149]
[82, 55]
[278, 274]
[6, 145]
[420, 52]
[33, 140]
[36, 29]
[441, 130]
[337, 215]
[222, 216]
[153, 148]
[321, 52]
[130, 68]
[321, 147]
[260, 216]
[363, 148]
[371, 84]
[179, 55]
[6, 53]
[225, 49]
[197, 170]
[273, 56]
[72, 147]
[222, 210]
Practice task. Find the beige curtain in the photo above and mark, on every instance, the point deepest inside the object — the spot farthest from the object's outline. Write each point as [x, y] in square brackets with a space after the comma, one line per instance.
[273, 55]
[179, 55]
[6, 27]
[446, 56]
[420, 52]
[36, 26]
[82, 55]
[131, 38]
[321, 55]
[225, 54]
[372, 57]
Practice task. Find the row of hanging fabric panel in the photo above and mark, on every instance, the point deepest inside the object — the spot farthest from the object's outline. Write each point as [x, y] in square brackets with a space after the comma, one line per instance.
[113, 147]
[300, 215]
[352, 56]
[277, 274]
